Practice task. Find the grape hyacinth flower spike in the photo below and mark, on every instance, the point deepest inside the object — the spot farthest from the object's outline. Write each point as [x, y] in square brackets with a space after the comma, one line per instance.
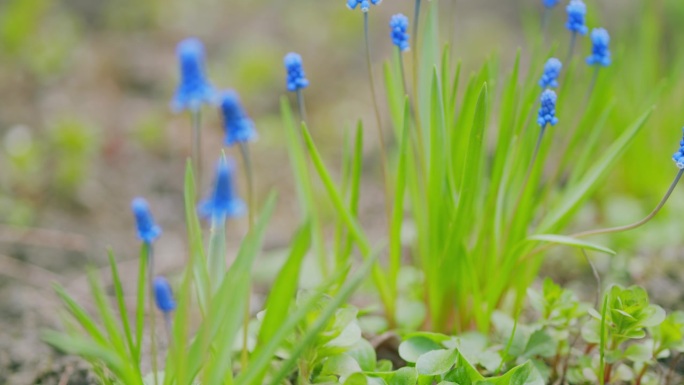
[163, 295]
[223, 203]
[600, 52]
[577, 12]
[552, 70]
[239, 128]
[194, 88]
[296, 78]
[365, 4]
[399, 27]
[550, 3]
[547, 111]
[148, 230]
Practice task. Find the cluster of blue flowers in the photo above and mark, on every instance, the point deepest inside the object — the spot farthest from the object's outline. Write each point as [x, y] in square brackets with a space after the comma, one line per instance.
[547, 111]
[399, 26]
[223, 203]
[600, 53]
[552, 70]
[296, 79]
[238, 126]
[365, 4]
[194, 89]
[577, 12]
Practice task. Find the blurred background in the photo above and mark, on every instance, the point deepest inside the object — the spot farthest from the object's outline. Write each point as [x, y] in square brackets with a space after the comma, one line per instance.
[85, 126]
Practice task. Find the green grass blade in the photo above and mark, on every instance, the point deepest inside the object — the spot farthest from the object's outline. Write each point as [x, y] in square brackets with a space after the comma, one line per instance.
[140, 304]
[305, 192]
[398, 209]
[349, 219]
[571, 200]
[198, 261]
[123, 313]
[225, 315]
[569, 241]
[285, 286]
[81, 316]
[116, 338]
[93, 351]
[344, 293]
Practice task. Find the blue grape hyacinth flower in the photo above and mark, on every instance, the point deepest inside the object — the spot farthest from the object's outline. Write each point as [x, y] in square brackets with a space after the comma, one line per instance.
[223, 203]
[399, 26]
[577, 12]
[296, 78]
[552, 70]
[365, 4]
[163, 295]
[600, 52]
[239, 128]
[550, 3]
[194, 88]
[148, 230]
[547, 110]
[678, 157]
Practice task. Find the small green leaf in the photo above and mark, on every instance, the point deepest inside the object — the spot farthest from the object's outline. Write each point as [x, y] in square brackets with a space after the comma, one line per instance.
[436, 362]
[414, 347]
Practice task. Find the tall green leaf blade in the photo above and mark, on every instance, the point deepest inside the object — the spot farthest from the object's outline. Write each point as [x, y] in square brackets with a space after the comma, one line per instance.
[329, 311]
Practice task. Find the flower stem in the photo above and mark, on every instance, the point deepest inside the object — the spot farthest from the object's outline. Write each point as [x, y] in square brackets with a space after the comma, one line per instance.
[383, 151]
[594, 78]
[301, 105]
[635, 224]
[571, 49]
[153, 337]
[197, 146]
[526, 181]
[247, 161]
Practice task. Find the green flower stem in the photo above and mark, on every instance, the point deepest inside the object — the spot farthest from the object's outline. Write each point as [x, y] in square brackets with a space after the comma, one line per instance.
[526, 181]
[196, 119]
[635, 224]
[618, 228]
[153, 338]
[592, 85]
[247, 162]
[416, 19]
[301, 105]
[571, 49]
[381, 135]
[318, 238]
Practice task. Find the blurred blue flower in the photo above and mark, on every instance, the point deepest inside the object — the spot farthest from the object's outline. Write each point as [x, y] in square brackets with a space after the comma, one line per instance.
[148, 231]
[239, 128]
[365, 4]
[577, 12]
[223, 202]
[296, 78]
[194, 88]
[163, 295]
[547, 110]
[678, 157]
[550, 3]
[399, 25]
[552, 70]
[600, 52]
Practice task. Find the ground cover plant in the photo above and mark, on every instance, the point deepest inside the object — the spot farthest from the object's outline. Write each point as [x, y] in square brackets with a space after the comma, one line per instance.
[487, 169]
